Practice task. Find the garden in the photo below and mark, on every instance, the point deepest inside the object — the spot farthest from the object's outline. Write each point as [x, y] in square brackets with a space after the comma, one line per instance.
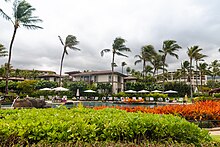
[159, 126]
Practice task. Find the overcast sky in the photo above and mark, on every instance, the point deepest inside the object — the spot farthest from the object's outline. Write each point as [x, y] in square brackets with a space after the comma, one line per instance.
[96, 23]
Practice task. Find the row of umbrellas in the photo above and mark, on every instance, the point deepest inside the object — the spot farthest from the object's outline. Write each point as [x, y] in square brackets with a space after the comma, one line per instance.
[64, 89]
[146, 91]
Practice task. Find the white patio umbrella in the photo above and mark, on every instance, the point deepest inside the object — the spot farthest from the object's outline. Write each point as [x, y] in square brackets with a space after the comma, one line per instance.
[156, 91]
[60, 89]
[143, 91]
[170, 91]
[90, 91]
[130, 91]
[46, 89]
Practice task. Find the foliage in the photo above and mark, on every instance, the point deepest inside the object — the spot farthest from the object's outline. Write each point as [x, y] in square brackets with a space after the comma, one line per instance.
[27, 86]
[45, 84]
[33, 126]
[213, 84]
[81, 85]
[181, 87]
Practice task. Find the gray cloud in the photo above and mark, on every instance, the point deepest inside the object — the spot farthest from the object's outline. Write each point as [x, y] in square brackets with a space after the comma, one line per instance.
[96, 24]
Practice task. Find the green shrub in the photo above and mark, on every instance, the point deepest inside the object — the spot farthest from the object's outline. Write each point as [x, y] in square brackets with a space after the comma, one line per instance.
[88, 125]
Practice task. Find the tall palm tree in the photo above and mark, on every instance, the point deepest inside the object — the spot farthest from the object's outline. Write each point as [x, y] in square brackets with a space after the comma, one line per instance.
[185, 69]
[122, 65]
[198, 57]
[169, 48]
[70, 43]
[192, 52]
[203, 68]
[22, 15]
[146, 52]
[3, 51]
[118, 46]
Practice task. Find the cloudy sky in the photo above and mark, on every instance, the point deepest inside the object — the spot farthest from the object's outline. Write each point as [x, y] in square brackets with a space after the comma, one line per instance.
[96, 23]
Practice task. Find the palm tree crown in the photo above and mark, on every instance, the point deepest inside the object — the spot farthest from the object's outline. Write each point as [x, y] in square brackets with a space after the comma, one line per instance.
[3, 52]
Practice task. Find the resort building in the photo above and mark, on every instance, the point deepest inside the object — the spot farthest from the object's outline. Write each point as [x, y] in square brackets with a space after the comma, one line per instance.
[100, 77]
[49, 77]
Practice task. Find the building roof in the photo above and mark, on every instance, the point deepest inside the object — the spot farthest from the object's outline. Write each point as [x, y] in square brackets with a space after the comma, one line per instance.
[103, 72]
[130, 78]
[49, 75]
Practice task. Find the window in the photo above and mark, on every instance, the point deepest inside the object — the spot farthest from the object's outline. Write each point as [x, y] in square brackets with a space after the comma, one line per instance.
[109, 78]
[95, 78]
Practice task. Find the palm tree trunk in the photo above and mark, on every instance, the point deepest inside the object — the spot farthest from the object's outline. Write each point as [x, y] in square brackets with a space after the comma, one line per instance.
[196, 74]
[61, 65]
[190, 78]
[201, 81]
[9, 60]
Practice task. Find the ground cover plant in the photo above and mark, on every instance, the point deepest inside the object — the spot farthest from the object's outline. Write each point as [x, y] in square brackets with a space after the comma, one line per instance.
[206, 113]
[34, 126]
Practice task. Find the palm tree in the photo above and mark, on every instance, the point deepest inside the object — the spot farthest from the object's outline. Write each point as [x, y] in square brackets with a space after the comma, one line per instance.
[203, 70]
[22, 15]
[3, 51]
[198, 57]
[117, 47]
[122, 65]
[146, 52]
[192, 52]
[70, 42]
[128, 70]
[185, 66]
[169, 47]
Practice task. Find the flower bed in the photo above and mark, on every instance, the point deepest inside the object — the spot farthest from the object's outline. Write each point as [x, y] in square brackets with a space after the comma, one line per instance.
[32, 126]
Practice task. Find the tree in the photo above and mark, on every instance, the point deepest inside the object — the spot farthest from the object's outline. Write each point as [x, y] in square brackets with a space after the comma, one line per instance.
[192, 52]
[122, 65]
[70, 42]
[22, 15]
[118, 46]
[3, 51]
[203, 70]
[214, 69]
[128, 70]
[198, 57]
[146, 52]
[169, 47]
[156, 61]
[185, 66]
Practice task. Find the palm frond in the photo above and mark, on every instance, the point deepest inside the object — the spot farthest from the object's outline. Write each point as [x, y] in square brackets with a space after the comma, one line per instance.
[138, 56]
[105, 51]
[124, 49]
[120, 54]
[74, 48]
[4, 15]
[32, 27]
[137, 61]
[61, 40]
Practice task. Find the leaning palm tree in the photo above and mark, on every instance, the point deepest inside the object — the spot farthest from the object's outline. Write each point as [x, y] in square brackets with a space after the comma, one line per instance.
[122, 66]
[117, 47]
[192, 52]
[22, 15]
[70, 42]
[146, 53]
[3, 51]
[185, 69]
[169, 47]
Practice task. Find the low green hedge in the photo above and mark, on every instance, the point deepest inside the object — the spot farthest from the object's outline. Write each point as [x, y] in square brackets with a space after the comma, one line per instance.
[31, 126]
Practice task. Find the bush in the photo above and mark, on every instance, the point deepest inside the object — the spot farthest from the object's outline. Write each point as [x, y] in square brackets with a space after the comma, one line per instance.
[32, 126]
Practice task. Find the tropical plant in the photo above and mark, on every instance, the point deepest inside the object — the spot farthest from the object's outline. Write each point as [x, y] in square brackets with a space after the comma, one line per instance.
[192, 52]
[122, 66]
[203, 68]
[118, 46]
[70, 42]
[169, 47]
[22, 15]
[146, 53]
[156, 61]
[198, 57]
[214, 69]
[3, 51]
[128, 70]
[185, 66]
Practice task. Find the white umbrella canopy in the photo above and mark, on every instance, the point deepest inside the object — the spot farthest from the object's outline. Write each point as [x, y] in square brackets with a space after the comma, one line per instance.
[60, 89]
[89, 91]
[170, 91]
[156, 91]
[143, 91]
[130, 91]
[46, 89]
